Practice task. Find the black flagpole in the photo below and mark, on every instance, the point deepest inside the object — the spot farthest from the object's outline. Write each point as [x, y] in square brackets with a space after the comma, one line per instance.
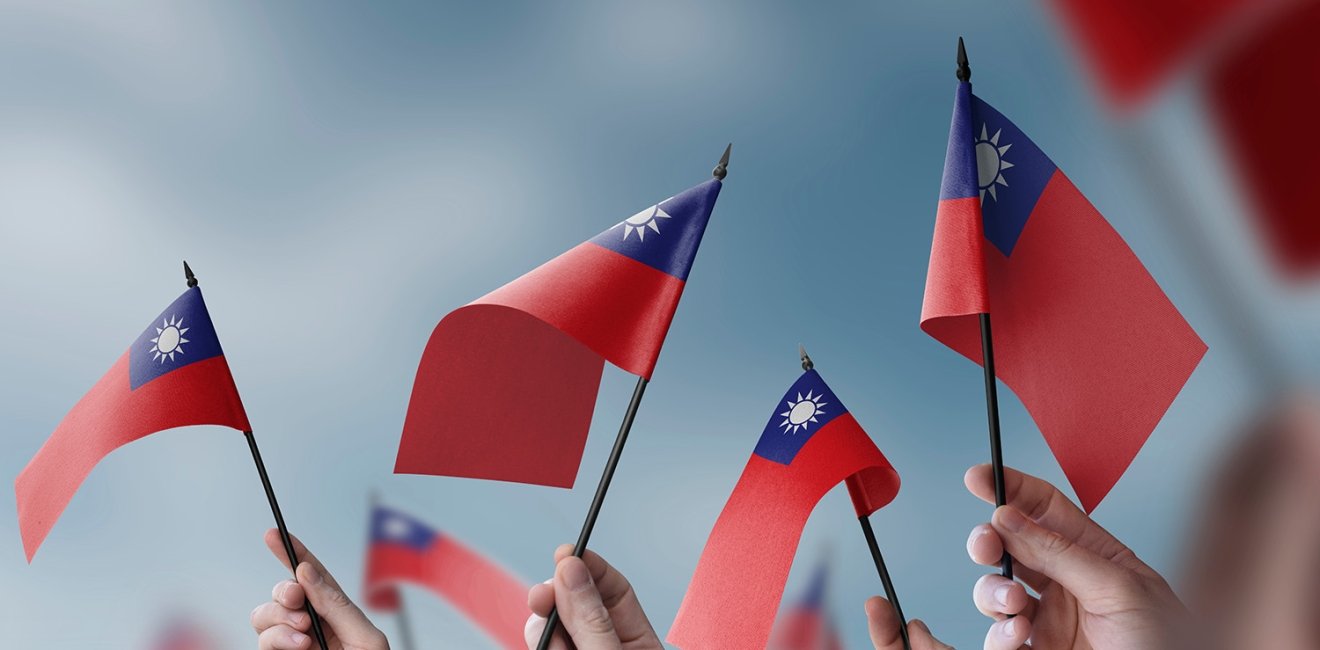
[270, 496]
[890, 592]
[988, 364]
[401, 614]
[721, 170]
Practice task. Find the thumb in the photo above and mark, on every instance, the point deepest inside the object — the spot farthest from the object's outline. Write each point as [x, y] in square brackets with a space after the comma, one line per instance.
[1098, 583]
[337, 611]
[580, 608]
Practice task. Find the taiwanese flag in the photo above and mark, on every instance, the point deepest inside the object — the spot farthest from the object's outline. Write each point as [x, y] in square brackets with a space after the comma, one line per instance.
[174, 375]
[403, 549]
[1132, 46]
[1082, 333]
[1263, 105]
[523, 363]
[810, 445]
[807, 626]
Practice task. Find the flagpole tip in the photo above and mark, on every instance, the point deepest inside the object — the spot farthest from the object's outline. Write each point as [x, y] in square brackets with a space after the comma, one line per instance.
[188, 275]
[722, 169]
[806, 360]
[964, 69]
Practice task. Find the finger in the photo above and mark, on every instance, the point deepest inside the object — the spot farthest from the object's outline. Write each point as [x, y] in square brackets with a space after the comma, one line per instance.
[998, 597]
[335, 607]
[268, 615]
[289, 594]
[282, 637]
[532, 634]
[1046, 504]
[921, 638]
[883, 625]
[625, 609]
[276, 545]
[1008, 634]
[580, 607]
[1094, 580]
[541, 597]
[986, 548]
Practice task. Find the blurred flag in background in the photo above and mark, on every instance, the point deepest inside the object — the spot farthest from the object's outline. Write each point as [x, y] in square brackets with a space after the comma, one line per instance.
[808, 625]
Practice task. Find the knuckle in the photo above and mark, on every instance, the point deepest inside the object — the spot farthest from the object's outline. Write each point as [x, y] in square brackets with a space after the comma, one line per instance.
[1052, 543]
[338, 599]
[597, 620]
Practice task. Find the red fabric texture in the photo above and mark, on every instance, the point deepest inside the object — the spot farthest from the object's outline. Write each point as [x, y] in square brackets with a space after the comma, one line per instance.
[735, 593]
[484, 592]
[109, 416]
[1083, 335]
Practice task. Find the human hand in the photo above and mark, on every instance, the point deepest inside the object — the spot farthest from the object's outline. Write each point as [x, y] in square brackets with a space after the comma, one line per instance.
[882, 622]
[598, 609]
[283, 624]
[1092, 591]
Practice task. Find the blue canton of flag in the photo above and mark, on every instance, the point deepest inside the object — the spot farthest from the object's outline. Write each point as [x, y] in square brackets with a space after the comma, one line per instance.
[393, 527]
[665, 236]
[807, 407]
[1011, 174]
[181, 335]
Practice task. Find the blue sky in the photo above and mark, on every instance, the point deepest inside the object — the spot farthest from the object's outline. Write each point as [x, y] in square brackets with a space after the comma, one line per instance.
[341, 176]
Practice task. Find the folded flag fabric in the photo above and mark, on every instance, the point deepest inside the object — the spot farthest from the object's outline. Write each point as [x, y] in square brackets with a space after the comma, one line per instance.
[811, 444]
[1260, 103]
[1133, 45]
[173, 375]
[807, 626]
[1082, 333]
[523, 363]
[404, 550]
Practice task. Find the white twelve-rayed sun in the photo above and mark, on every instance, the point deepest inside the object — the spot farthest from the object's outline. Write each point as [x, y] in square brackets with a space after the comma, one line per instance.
[990, 163]
[169, 339]
[397, 527]
[802, 412]
[642, 221]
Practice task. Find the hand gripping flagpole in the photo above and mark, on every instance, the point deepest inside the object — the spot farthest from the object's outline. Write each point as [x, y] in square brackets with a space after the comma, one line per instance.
[890, 592]
[400, 614]
[274, 506]
[988, 364]
[721, 170]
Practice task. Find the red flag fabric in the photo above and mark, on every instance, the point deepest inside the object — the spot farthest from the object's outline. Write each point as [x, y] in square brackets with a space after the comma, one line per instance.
[807, 625]
[507, 385]
[184, 634]
[174, 375]
[1262, 106]
[403, 549]
[810, 445]
[1133, 45]
[1082, 333]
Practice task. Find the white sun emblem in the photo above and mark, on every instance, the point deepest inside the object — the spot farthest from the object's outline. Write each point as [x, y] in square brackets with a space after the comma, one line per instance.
[169, 339]
[990, 163]
[397, 528]
[802, 411]
[643, 220]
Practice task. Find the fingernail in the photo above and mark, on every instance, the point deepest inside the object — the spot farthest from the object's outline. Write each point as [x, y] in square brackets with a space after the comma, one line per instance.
[313, 576]
[296, 638]
[549, 582]
[976, 534]
[1001, 594]
[1012, 519]
[575, 575]
[1010, 628]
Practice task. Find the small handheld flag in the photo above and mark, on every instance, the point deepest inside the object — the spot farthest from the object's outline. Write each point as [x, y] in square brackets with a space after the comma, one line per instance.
[811, 444]
[174, 375]
[1086, 338]
[402, 549]
[808, 625]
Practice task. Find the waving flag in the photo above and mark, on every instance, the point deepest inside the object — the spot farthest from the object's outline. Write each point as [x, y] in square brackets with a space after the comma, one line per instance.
[1082, 333]
[811, 444]
[173, 375]
[807, 626]
[523, 363]
[403, 549]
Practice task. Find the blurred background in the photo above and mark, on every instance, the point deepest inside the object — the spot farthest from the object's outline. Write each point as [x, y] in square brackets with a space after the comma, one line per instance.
[340, 176]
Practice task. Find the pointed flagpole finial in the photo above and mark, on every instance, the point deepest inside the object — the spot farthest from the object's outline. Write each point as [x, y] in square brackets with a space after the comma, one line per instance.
[722, 169]
[806, 360]
[964, 70]
[188, 275]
